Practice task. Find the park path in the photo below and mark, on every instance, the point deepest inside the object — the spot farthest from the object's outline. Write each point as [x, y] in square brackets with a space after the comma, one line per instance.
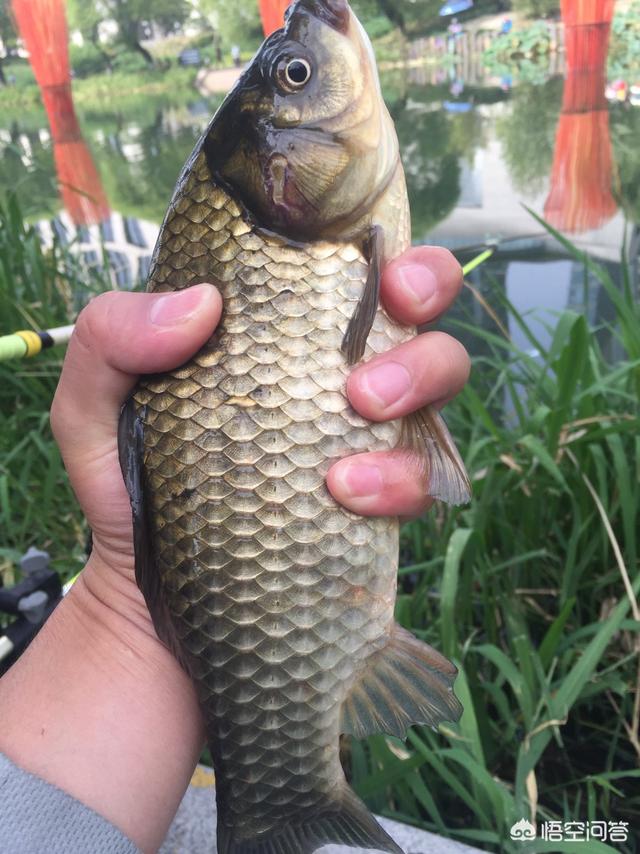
[216, 81]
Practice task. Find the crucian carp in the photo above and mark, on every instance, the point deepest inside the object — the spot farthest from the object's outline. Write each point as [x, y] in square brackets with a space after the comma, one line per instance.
[278, 602]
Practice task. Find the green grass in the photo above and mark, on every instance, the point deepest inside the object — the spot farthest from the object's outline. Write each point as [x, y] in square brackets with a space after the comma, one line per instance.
[532, 589]
[37, 290]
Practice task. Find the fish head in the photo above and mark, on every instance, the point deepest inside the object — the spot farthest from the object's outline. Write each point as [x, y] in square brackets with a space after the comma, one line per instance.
[305, 140]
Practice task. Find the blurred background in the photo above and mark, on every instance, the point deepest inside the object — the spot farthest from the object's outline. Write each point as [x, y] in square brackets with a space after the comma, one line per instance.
[489, 113]
[519, 126]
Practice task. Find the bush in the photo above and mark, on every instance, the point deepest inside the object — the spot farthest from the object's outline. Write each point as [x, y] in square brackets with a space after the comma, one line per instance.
[87, 60]
[624, 54]
[530, 43]
[378, 27]
[130, 62]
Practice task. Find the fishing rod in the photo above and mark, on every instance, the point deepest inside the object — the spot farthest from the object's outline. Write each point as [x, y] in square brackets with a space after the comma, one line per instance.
[28, 343]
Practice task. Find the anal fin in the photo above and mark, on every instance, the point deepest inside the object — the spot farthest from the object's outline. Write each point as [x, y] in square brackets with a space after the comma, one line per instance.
[426, 434]
[405, 683]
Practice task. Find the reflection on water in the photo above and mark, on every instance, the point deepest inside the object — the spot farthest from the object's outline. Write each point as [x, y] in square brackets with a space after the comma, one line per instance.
[123, 243]
[43, 29]
[582, 179]
[474, 155]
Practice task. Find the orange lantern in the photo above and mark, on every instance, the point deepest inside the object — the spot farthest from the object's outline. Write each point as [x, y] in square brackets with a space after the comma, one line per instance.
[272, 14]
[587, 26]
[583, 171]
[43, 27]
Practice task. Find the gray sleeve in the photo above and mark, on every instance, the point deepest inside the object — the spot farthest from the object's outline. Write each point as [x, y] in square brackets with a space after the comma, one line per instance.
[36, 816]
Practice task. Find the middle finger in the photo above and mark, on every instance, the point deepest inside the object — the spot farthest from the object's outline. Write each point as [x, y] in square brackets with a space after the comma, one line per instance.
[430, 369]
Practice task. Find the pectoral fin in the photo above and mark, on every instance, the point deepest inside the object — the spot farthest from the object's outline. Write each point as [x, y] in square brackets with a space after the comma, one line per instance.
[355, 339]
[426, 434]
[405, 683]
[316, 163]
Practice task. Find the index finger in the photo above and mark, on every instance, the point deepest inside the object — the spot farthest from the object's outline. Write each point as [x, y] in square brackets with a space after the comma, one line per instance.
[421, 284]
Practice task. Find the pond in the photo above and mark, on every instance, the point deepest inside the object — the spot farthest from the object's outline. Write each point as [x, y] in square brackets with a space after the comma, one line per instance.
[477, 156]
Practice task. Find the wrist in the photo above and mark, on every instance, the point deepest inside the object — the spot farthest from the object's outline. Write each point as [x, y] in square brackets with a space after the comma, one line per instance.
[100, 708]
[106, 597]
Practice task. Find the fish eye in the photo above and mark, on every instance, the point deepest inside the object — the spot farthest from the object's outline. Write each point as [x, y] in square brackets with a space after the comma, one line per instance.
[295, 73]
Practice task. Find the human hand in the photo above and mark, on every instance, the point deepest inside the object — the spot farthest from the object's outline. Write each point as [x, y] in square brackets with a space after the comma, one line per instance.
[430, 369]
[97, 705]
[119, 336]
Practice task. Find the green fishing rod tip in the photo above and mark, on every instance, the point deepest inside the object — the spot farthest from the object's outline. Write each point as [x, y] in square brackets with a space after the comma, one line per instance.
[12, 347]
[477, 261]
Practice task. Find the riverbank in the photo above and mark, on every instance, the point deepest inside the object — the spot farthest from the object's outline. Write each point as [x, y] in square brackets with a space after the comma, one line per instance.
[174, 84]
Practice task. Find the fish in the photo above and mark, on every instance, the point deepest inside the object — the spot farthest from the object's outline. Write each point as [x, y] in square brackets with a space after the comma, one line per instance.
[278, 602]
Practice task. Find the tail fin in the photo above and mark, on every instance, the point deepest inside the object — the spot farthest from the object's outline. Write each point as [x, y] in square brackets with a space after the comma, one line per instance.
[344, 821]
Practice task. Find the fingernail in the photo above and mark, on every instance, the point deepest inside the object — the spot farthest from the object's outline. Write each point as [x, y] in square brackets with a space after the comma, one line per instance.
[362, 481]
[176, 308]
[418, 282]
[387, 383]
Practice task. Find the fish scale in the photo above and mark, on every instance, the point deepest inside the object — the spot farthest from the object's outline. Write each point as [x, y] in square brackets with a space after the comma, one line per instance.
[277, 594]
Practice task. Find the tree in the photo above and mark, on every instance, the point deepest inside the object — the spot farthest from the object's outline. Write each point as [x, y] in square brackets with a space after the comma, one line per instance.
[537, 8]
[393, 11]
[431, 166]
[410, 16]
[237, 23]
[527, 132]
[625, 127]
[129, 15]
[86, 18]
[7, 38]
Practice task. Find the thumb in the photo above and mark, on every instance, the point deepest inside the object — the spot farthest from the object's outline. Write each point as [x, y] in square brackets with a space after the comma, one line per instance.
[117, 337]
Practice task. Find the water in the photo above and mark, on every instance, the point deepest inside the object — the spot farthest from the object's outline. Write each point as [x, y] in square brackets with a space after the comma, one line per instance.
[475, 157]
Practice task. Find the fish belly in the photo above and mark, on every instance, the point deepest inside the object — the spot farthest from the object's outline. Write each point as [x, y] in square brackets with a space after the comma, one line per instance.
[277, 596]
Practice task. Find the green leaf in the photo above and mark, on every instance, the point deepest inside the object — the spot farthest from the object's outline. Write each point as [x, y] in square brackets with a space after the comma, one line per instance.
[548, 647]
[542, 455]
[449, 588]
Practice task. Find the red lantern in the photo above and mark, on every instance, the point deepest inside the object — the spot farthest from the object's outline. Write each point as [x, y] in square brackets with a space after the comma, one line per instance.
[583, 171]
[579, 13]
[272, 14]
[587, 26]
[43, 27]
